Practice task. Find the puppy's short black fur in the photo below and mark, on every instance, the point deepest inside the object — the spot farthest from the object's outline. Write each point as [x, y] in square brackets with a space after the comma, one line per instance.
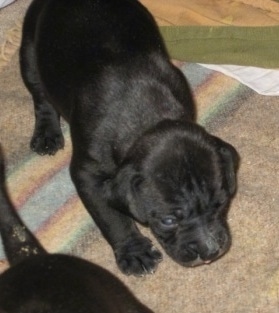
[137, 152]
[53, 283]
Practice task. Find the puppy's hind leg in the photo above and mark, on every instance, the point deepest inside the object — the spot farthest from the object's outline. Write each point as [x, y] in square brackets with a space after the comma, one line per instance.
[47, 137]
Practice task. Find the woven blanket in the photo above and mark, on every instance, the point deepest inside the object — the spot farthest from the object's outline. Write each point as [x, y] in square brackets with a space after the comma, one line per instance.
[245, 280]
[241, 32]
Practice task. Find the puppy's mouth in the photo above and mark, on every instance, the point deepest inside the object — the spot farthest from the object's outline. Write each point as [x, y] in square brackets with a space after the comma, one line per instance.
[190, 261]
[192, 254]
[199, 261]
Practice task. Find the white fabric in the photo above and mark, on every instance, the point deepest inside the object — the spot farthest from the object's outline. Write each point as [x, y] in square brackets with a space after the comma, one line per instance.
[3, 3]
[263, 81]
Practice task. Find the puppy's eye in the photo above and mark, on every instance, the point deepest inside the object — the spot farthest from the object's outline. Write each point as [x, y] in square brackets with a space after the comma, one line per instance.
[169, 221]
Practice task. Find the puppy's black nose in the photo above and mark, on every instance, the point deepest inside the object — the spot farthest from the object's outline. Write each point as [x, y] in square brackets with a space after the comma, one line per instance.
[206, 253]
[192, 250]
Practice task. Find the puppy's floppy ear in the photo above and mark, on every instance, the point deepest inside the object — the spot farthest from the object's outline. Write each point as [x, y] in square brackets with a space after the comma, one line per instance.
[124, 192]
[230, 162]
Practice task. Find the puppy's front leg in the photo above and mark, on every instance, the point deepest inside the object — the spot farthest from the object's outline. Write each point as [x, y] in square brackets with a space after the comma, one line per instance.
[134, 253]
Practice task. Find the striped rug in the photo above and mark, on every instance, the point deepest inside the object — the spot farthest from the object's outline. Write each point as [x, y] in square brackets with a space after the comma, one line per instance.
[245, 280]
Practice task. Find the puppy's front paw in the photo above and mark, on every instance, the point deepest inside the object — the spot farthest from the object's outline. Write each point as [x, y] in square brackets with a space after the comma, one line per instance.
[137, 256]
[47, 142]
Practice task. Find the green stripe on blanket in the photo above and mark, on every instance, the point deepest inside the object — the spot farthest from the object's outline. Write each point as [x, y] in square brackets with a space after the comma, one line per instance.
[252, 46]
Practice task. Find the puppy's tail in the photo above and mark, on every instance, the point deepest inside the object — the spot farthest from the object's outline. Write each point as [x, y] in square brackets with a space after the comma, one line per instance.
[19, 243]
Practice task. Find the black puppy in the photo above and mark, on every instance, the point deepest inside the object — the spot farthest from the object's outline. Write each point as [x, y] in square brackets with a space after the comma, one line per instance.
[53, 283]
[137, 152]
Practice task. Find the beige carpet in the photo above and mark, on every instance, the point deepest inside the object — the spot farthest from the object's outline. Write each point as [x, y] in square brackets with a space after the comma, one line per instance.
[245, 280]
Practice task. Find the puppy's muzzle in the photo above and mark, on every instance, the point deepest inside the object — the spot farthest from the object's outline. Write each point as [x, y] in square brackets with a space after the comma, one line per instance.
[198, 252]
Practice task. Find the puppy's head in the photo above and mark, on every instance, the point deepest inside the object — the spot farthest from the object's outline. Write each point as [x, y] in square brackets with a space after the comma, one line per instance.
[179, 180]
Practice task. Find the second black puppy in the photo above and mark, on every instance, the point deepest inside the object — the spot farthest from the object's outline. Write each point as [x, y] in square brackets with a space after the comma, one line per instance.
[137, 152]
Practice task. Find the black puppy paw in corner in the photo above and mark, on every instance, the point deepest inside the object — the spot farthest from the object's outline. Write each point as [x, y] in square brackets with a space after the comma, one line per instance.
[137, 256]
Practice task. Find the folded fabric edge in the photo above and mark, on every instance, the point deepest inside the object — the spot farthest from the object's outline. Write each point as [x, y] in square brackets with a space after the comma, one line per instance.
[10, 44]
[251, 46]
